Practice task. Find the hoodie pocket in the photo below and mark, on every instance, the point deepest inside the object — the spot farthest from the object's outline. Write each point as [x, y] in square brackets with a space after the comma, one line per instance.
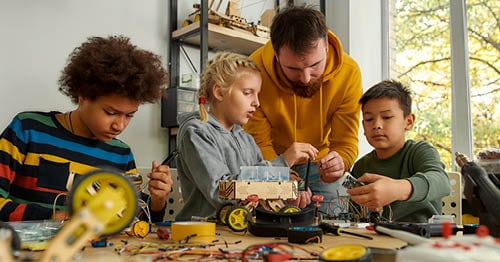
[53, 175]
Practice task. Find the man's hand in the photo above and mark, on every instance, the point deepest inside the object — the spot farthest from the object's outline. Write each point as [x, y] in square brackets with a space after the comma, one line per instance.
[159, 185]
[380, 191]
[331, 167]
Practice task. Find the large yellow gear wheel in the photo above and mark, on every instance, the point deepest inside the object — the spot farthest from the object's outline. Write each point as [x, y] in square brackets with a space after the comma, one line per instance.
[236, 218]
[100, 180]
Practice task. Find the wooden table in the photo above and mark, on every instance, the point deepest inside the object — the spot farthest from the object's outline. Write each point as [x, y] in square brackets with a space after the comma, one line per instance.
[236, 242]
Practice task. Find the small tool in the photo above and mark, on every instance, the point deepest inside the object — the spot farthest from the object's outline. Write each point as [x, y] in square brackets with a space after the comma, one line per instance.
[171, 157]
[306, 184]
[338, 231]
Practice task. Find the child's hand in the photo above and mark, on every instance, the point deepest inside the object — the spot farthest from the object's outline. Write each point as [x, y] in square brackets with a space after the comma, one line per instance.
[379, 191]
[60, 215]
[303, 199]
[159, 185]
[331, 167]
[299, 151]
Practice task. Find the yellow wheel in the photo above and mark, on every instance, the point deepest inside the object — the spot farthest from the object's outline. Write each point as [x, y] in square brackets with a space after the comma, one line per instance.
[289, 209]
[222, 213]
[88, 192]
[186, 23]
[141, 228]
[236, 219]
[197, 18]
[346, 253]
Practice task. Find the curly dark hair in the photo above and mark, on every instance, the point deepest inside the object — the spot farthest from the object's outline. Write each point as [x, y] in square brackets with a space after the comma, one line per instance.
[297, 27]
[112, 65]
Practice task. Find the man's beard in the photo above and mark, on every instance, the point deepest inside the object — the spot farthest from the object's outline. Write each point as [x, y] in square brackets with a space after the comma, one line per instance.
[307, 90]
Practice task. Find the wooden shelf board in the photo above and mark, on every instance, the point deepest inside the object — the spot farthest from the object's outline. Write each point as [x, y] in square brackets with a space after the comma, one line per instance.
[222, 38]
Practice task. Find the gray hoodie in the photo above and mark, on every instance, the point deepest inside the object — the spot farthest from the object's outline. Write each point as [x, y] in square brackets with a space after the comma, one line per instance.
[209, 153]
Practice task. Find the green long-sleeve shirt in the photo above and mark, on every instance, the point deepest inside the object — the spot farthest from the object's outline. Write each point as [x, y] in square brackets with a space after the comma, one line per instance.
[419, 163]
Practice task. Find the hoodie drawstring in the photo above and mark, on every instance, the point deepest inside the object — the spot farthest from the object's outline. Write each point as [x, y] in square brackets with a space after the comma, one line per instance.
[321, 111]
[294, 118]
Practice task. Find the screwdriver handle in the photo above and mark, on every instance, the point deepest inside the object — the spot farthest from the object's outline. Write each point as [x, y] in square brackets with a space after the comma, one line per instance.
[329, 228]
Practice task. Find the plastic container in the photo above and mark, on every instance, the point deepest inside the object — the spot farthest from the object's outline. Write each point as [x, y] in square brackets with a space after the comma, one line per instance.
[37, 230]
[264, 173]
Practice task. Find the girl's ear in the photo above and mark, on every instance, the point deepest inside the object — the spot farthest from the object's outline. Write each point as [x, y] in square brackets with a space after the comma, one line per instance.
[217, 92]
[410, 120]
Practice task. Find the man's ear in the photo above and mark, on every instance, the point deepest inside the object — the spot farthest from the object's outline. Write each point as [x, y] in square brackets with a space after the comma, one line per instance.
[410, 121]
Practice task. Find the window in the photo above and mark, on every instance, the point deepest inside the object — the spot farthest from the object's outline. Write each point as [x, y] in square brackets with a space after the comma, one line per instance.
[421, 56]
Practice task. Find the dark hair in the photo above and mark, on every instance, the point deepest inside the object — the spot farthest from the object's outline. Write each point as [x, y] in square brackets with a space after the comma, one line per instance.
[112, 65]
[297, 28]
[389, 89]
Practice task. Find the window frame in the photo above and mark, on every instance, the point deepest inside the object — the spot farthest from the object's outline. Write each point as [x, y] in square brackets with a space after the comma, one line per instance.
[461, 133]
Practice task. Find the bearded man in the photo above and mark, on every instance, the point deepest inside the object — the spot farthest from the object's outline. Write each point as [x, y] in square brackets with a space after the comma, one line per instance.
[310, 93]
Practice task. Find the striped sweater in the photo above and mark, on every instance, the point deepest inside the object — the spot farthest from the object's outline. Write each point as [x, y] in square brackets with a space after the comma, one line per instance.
[37, 154]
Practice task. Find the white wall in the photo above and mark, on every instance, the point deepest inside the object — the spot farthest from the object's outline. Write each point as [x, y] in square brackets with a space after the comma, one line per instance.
[358, 25]
[37, 37]
[365, 46]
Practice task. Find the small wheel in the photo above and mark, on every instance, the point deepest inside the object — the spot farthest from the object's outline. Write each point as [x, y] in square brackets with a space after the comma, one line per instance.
[236, 218]
[88, 189]
[289, 209]
[347, 253]
[186, 23]
[197, 18]
[222, 212]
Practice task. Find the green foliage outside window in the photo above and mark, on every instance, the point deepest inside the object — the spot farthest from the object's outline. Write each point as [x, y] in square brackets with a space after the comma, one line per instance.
[422, 54]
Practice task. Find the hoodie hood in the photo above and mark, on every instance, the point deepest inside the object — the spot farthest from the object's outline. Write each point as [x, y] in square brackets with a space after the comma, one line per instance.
[185, 118]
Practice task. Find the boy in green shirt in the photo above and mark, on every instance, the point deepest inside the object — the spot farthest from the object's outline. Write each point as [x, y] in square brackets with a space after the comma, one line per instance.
[404, 178]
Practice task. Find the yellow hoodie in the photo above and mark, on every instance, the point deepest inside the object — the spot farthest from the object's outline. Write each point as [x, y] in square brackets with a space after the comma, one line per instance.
[329, 120]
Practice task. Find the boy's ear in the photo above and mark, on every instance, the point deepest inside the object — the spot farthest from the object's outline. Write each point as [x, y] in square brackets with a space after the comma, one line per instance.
[410, 121]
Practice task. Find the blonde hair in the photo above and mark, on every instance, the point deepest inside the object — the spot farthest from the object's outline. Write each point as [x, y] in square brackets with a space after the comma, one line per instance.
[222, 70]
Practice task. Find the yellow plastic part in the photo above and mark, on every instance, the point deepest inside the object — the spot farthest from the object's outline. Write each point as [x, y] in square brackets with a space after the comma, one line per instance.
[186, 23]
[34, 245]
[469, 219]
[197, 18]
[344, 253]
[290, 209]
[141, 228]
[109, 197]
[236, 219]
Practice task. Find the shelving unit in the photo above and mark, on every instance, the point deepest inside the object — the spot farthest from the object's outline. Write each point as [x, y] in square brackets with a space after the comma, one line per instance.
[204, 35]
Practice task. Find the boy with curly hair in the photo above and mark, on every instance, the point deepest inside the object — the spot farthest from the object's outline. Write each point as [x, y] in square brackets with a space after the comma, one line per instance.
[42, 152]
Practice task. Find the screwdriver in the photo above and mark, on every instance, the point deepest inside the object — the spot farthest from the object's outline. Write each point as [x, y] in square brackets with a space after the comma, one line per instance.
[336, 230]
[171, 157]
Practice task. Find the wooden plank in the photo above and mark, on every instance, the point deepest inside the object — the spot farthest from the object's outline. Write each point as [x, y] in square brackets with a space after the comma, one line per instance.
[222, 38]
